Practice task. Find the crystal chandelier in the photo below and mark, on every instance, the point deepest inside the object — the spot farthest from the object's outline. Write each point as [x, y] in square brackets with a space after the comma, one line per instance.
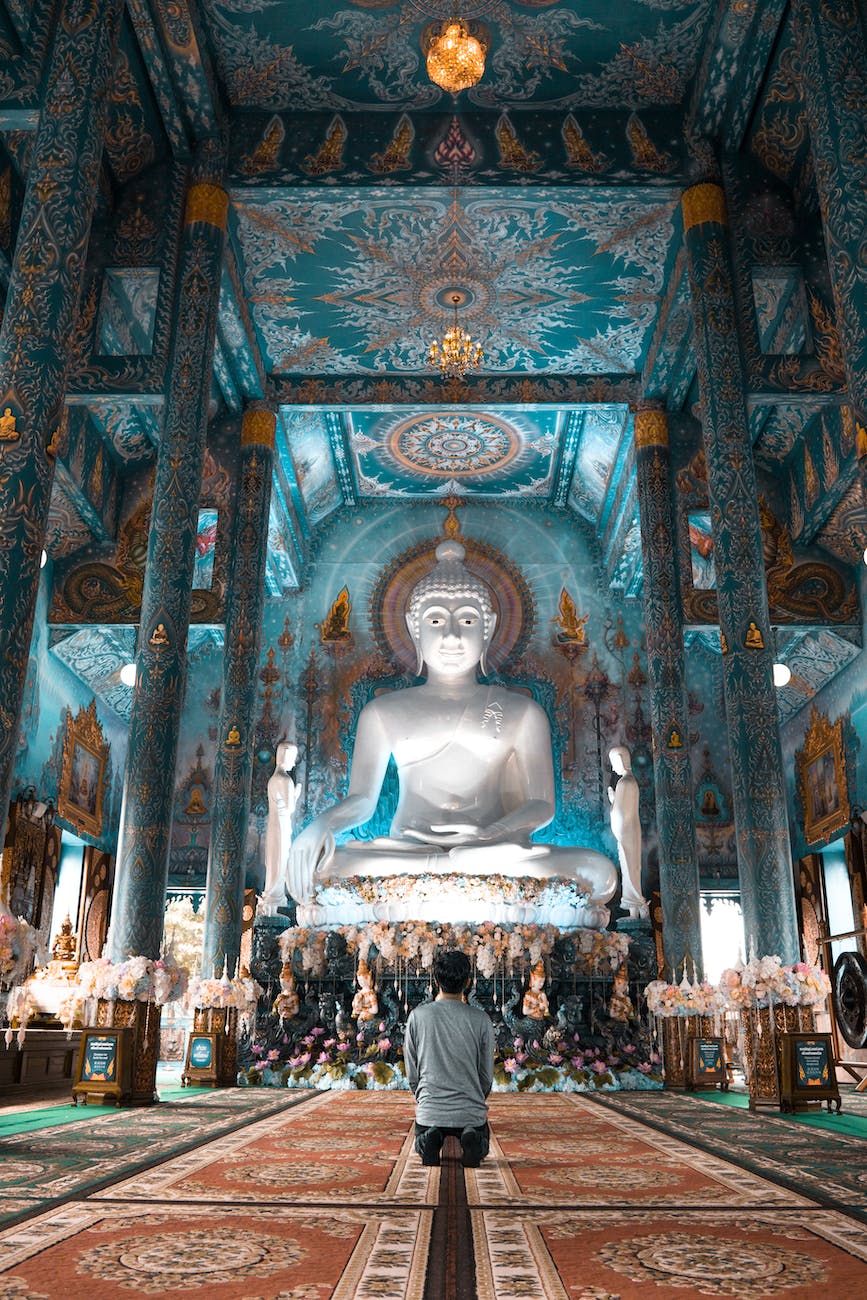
[455, 58]
[455, 353]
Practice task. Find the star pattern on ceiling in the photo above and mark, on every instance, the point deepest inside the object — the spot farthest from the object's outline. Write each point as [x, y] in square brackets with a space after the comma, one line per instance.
[360, 281]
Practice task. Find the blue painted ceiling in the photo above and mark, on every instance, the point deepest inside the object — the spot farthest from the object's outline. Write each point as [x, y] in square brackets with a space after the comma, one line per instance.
[362, 197]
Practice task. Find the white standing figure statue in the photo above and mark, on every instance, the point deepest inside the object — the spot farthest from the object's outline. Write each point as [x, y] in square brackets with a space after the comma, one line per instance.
[474, 764]
[282, 798]
[626, 826]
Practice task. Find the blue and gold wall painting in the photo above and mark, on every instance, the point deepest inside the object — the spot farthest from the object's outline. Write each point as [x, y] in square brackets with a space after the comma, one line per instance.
[353, 281]
[56, 690]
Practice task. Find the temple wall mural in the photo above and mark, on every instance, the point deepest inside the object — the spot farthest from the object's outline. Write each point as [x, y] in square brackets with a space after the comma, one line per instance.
[53, 696]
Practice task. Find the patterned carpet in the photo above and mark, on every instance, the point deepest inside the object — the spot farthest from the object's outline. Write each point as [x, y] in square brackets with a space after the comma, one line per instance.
[578, 1200]
[826, 1166]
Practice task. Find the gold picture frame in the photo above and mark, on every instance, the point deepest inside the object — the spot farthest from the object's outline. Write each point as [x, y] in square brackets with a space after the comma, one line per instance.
[822, 778]
[82, 781]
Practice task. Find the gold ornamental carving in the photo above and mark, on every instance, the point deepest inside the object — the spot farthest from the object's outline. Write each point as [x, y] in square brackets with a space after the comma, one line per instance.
[651, 429]
[82, 781]
[208, 203]
[259, 426]
[703, 203]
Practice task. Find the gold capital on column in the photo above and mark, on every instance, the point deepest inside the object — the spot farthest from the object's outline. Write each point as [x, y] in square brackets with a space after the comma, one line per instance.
[651, 428]
[705, 202]
[259, 426]
[206, 202]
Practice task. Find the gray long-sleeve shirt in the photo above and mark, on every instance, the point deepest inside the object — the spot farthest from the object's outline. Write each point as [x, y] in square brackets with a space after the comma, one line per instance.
[449, 1055]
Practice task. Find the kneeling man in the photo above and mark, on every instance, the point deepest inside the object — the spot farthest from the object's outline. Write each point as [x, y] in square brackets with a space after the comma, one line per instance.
[449, 1055]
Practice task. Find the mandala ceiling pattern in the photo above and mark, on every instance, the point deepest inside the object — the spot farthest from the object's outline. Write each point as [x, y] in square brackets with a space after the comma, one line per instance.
[360, 281]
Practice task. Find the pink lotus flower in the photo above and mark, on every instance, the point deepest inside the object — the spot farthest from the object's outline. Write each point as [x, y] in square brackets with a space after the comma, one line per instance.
[520, 1057]
[555, 1058]
[600, 1067]
[273, 1055]
[329, 1042]
[384, 1044]
[510, 1065]
[343, 1047]
[644, 1067]
[322, 1058]
[304, 1058]
[317, 1032]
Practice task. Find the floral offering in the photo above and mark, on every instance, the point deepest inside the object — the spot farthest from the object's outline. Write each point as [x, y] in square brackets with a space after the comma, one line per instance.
[138, 979]
[241, 993]
[766, 982]
[683, 999]
[493, 948]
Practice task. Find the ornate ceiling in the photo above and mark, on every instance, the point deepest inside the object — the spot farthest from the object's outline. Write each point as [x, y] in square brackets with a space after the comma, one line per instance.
[363, 198]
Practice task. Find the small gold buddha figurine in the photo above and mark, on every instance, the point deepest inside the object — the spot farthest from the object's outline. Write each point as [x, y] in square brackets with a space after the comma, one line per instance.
[723, 643]
[196, 806]
[365, 1005]
[674, 739]
[620, 1006]
[63, 948]
[234, 736]
[159, 636]
[753, 639]
[535, 1004]
[8, 428]
[287, 1004]
[335, 627]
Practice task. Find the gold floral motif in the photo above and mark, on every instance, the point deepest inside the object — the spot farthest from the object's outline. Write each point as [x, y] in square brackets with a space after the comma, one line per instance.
[258, 427]
[512, 152]
[208, 203]
[644, 152]
[651, 428]
[329, 158]
[266, 152]
[578, 151]
[703, 203]
[395, 157]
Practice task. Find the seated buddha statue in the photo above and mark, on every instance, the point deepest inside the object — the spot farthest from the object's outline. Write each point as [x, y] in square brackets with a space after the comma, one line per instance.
[474, 764]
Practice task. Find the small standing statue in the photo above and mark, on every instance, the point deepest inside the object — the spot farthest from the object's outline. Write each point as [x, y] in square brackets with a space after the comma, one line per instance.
[364, 1004]
[620, 1005]
[535, 1004]
[626, 827]
[282, 798]
[287, 1004]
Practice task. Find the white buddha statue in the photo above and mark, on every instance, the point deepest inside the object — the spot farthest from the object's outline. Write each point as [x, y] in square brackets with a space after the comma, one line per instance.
[474, 765]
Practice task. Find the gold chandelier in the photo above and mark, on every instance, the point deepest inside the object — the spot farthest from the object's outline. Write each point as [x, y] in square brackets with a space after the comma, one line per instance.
[455, 353]
[455, 58]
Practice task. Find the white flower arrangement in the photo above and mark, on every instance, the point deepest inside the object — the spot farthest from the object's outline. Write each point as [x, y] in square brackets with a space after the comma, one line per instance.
[762, 982]
[494, 948]
[18, 943]
[138, 979]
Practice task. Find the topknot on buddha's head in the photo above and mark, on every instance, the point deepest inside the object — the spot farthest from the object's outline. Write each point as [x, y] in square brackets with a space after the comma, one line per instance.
[449, 579]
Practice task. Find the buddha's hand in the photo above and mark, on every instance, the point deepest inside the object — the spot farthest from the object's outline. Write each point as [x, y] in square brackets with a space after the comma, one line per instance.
[312, 851]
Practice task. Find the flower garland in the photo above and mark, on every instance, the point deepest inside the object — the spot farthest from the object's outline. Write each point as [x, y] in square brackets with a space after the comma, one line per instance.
[493, 948]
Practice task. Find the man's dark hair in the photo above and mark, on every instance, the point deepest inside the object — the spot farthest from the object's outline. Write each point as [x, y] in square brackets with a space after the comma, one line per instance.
[451, 971]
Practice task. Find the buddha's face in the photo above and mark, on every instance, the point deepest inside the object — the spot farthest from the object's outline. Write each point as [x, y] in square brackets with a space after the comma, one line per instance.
[287, 755]
[452, 635]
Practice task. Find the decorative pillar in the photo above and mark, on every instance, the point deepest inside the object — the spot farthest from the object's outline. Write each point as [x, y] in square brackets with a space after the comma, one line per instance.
[38, 323]
[758, 788]
[669, 708]
[224, 898]
[833, 56]
[146, 818]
